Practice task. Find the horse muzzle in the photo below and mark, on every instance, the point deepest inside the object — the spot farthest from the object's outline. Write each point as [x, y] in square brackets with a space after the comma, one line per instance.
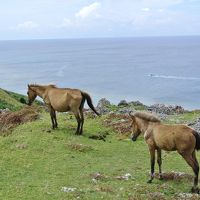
[134, 139]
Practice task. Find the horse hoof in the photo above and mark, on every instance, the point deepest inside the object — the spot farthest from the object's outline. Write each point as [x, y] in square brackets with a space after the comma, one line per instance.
[195, 190]
[149, 181]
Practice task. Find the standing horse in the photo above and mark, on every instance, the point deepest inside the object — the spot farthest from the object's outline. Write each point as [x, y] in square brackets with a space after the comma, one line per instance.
[158, 136]
[61, 100]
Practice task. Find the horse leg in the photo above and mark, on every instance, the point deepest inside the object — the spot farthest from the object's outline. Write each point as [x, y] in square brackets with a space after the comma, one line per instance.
[82, 121]
[192, 162]
[152, 154]
[81, 115]
[78, 119]
[196, 170]
[159, 161]
[52, 116]
[55, 120]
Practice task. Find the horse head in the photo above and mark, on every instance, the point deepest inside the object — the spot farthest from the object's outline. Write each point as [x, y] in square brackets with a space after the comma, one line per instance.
[31, 95]
[135, 132]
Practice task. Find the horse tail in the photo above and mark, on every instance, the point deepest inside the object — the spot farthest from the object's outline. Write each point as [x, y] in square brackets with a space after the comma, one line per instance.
[197, 137]
[89, 101]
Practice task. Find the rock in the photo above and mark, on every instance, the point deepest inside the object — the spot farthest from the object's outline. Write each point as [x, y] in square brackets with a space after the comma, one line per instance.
[98, 176]
[102, 106]
[2, 111]
[123, 103]
[126, 177]
[68, 189]
[161, 116]
[164, 109]
[21, 146]
[125, 110]
[186, 196]
[195, 125]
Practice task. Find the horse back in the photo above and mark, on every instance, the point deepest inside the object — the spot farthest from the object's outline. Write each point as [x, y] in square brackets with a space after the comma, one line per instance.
[174, 137]
[64, 99]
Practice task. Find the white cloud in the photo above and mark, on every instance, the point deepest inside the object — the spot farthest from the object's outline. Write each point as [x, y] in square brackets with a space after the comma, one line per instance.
[88, 11]
[27, 25]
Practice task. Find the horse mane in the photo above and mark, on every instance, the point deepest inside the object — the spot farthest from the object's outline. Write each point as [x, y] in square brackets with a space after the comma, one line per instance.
[146, 116]
[36, 85]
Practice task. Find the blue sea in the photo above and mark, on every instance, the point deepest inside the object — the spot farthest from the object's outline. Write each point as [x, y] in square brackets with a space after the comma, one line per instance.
[148, 69]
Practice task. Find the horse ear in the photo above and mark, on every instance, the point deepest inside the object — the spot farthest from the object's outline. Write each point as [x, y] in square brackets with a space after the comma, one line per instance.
[132, 117]
[28, 86]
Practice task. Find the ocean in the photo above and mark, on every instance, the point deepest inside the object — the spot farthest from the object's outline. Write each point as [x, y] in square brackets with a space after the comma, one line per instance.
[148, 69]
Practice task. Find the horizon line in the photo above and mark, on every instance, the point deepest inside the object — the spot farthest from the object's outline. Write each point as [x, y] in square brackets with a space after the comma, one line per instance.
[107, 37]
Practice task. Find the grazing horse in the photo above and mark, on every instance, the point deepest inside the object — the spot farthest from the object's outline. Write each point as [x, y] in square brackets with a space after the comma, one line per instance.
[158, 136]
[61, 100]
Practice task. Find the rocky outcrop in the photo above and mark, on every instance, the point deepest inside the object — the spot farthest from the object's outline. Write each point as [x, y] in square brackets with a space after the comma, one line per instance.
[195, 125]
[125, 110]
[103, 106]
[164, 109]
[123, 107]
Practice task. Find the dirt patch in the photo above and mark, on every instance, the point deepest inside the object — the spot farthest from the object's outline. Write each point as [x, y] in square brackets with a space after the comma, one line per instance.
[106, 189]
[79, 147]
[156, 196]
[175, 176]
[121, 123]
[98, 176]
[10, 120]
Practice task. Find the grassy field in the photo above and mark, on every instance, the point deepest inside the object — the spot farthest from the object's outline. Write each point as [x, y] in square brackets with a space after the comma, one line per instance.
[40, 163]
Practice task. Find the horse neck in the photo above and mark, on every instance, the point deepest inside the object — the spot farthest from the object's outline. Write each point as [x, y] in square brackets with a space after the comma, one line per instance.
[143, 125]
[40, 90]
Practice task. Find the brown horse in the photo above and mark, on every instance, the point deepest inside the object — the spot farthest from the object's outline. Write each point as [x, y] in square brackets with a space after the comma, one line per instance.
[61, 100]
[158, 136]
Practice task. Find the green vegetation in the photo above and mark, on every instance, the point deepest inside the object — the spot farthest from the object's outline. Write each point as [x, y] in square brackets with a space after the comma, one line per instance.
[13, 101]
[40, 163]
[133, 105]
[184, 118]
[37, 162]
[8, 101]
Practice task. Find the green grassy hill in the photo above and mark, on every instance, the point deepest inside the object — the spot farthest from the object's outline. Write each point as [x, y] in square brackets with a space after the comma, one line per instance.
[10, 100]
[13, 101]
[37, 162]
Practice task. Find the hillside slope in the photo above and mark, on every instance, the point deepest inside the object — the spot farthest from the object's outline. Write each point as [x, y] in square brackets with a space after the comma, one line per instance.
[13, 101]
[10, 100]
[40, 163]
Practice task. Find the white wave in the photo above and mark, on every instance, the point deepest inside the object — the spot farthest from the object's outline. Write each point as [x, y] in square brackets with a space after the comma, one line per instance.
[174, 77]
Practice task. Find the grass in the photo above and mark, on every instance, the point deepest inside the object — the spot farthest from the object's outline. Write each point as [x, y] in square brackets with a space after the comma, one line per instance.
[115, 108]
[7, 101]
[37, 162]
[13, 101]
[184, 118]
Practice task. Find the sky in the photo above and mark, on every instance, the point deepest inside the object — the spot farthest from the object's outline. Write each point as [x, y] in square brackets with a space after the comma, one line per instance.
[45, 19]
